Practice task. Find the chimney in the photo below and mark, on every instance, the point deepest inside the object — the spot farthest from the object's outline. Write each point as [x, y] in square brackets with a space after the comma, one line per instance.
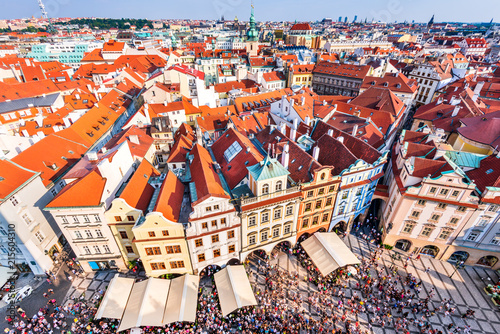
[295, 123]
[302, 100]
[316, 153]
[354, 130]
[477, 90]
[77, 96]
[330, 132]
[368, 119]
[285, 156]
[324, 102]
[307, 120]
[440, 100]
[341, 139]
[283, 128]
[455, 111]
[293, 134]
[165, 103]
[134, 139]
[104, 150]
[91, 155]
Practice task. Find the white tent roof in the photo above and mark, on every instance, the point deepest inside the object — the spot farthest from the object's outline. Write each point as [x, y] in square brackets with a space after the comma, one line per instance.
[116, 298]
[328, 252]
[182, 299]
[146, 304]
[234, 289]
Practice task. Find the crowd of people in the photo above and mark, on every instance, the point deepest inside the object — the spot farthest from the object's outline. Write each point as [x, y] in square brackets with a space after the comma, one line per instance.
[288, 302]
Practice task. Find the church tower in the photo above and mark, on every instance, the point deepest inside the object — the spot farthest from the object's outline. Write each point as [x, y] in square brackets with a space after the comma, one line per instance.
[252, 42]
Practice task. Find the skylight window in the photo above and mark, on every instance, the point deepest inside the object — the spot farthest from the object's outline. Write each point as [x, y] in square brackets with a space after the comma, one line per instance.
[489, 171]
[232, 151]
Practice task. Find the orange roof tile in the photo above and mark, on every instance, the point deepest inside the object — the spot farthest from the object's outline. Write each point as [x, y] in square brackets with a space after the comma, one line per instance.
[138, 192]
[77, 194]
[169, 201]
[12, 176]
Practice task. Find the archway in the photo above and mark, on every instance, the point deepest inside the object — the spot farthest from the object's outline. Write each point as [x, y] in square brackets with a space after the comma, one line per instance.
[340, 228]
[403, 245]
[430, 250]
[303, 237]
[375, 212]
[321, 230]
[233, 262]
[488, 261]
[256, 255]
[209, 270]
[283, 246]
[458, 256]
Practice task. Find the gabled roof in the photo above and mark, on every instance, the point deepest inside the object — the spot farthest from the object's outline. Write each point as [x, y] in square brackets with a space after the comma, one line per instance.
[52, 156]
[488, 173]
[234, 170]
[29, 89]
[342, 70]
[396, 82]
[185, 130]
[138, 150]
[188, 71]
[301, 26]
[357, 147]
[379, 99]
[78, 194]
[12, 176]
[273, 76]
[334, 153]
[138, 192]
[206, 180]
[169, 201]
[424, 167]
[180, 149]
[266, 169]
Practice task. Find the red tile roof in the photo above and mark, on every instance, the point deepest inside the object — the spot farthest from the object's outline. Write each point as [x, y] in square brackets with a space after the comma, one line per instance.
[395, 82]
[169, 201]
[342, 70]
[273, 76]
[77, 194]
[380, 99]
[235, 170]
[138, 150]
[12, 176]
[204, 176]
[138, 192]
[488, 173]
[483, 129]
[301, 26]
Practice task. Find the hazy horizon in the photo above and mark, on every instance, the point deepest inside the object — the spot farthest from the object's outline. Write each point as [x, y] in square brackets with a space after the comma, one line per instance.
[275, 10]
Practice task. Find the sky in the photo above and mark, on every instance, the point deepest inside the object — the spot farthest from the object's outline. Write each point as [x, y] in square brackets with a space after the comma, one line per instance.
[265, 10]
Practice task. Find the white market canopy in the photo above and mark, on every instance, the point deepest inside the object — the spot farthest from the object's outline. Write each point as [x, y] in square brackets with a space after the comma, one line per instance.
[146, 304]
[328, 252]
[116, 298]
[182, 299]
[152, 302]
[234, 289]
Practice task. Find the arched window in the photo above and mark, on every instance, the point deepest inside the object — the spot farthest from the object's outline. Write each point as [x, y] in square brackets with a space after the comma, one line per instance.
[322, 176]
[279, 185]
[265, 189]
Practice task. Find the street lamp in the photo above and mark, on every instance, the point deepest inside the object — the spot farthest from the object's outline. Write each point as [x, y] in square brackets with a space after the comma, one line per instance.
[459, 265]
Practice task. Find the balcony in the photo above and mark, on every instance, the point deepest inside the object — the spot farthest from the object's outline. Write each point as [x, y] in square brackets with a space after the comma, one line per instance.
[270, 196]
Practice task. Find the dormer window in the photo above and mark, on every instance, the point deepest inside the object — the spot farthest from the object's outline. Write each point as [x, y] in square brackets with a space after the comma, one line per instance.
[265, 189]
[279, 185]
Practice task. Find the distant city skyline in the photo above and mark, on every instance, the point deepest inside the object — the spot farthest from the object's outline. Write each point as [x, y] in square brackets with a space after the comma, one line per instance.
[275, 10]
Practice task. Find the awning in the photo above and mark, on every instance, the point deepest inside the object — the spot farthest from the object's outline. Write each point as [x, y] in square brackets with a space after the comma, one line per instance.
[328, 252]
[115, 300]
[146, 304]
[5, 274]
[182, 299]
[234, 289]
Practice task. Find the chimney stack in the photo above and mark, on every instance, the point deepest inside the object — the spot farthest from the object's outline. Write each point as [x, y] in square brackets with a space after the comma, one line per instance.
[134, 139]
[330, 132]
[341, 139]
[302, 100]
[307, 120]
[285, 156]
[283, 128]
[354, 130]
[295, 123]
[293, 134]
[455, 111]
[316, 153]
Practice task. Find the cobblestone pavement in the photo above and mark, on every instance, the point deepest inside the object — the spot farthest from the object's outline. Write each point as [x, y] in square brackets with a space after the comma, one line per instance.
[465, 289]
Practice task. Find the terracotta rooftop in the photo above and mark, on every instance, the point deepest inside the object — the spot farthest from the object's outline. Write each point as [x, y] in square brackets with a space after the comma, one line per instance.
[138, 192]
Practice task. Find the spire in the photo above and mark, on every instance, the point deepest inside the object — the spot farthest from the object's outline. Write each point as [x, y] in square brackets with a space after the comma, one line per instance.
[431, 22]
[252, 34]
